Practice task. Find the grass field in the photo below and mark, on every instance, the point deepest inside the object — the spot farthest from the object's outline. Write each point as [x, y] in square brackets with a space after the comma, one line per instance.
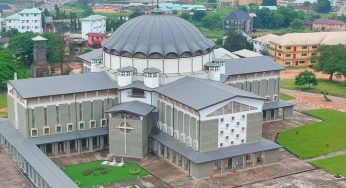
[317, 138]
[3, 100]
[285, 97]
[334, 88]
[333, 165]
[99, 176]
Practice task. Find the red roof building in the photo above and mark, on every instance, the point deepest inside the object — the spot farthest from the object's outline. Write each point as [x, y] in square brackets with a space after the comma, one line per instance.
[95, 39]
[328, 25]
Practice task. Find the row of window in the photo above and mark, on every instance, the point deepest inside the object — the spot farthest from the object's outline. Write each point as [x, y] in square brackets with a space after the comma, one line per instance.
[303, 47]
[70, 127]
[232, 142]
[232, 131]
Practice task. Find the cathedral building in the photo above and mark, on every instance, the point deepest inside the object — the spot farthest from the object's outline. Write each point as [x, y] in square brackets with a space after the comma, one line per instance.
[156, 86]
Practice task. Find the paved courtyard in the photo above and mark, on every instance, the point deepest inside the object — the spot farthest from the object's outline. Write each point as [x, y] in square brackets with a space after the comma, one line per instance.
[9, 175]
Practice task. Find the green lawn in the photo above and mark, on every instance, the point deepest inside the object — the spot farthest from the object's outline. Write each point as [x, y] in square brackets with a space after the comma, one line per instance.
[285, 97]
[3, 100]
[334, 88]
[333, 165]
[100, 176]
[317, 138]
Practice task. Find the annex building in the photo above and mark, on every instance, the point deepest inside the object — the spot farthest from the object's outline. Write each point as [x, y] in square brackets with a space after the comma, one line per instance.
[156, 86]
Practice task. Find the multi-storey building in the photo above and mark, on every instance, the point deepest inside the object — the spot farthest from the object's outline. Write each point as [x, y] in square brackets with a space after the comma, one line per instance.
[261, 44]
[328, 25]
[158, 88]
[296, 49]
[27, 20]
[93, 24]
[238, 20]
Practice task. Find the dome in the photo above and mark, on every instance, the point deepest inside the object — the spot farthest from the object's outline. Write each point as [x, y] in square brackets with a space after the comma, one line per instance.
[157, 36]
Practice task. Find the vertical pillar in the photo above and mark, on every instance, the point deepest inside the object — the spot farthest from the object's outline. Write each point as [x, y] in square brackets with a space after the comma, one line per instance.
[222, 166]
[159, 150]
[79, 146]
[56, 149]
[165, 152]
[91, 147]
[263, 157]
[67, 144]
[98, 141]
[102, 142]
[253, 159]
[244, 161]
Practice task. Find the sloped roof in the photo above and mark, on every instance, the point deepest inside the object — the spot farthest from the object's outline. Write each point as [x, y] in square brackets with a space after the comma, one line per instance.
[238, 15]
[317, 38]
[93, 17]
[246, 53]
[251, 65]
[91, 56]
[135, 107]
[221, 153]
[13, 17]
[200, 93]
[222, 53]
[59, 85]
[30, 11]
[328, 22]
[266, 38]
[46, 168]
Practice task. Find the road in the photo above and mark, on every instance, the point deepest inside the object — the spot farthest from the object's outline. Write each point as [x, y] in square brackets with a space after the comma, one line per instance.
[306, 100]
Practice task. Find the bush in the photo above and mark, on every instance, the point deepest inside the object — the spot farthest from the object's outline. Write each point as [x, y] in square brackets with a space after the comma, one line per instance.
[87, 172]
[100, 168]
[134, 171]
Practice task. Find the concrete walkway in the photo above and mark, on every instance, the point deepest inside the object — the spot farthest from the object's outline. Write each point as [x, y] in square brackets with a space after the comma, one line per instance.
[306, 100]
[333, 154]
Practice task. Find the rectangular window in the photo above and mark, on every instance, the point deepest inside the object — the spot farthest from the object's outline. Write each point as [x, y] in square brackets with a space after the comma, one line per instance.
[81, 125]
[227, 137]
[313, 54]
[238, 123]
[243, 116]
[304, 47]
[288, 48]
[34, 132]
[103, 122]
[221, 144]
[69, 127]
[58, 129]
[304, 54]
[287, 63]
[138, 93]
[221, 132]
[232, 142]
[301, 62]
[237, 135]
[92, 124]
[288, 55]
[314, 47]
[46, 130]
[243, 128]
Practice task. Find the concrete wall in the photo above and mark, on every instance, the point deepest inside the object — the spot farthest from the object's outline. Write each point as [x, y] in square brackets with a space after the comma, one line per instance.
[208, 135]
[254, 127]
[262, 87]
[136, 140]
[287, 112]
[271, 156]
[201, 170]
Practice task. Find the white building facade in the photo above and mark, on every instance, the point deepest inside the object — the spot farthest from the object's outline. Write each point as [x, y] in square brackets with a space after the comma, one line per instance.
[93, 24]
[27, 20]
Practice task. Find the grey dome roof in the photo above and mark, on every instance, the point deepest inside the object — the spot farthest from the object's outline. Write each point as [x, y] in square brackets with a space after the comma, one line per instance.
[157, 36]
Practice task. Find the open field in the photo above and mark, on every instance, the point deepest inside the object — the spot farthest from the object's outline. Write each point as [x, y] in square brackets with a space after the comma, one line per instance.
[332, 87]
[285, 97]
[333, 165]
[102, 174]
[317, 138]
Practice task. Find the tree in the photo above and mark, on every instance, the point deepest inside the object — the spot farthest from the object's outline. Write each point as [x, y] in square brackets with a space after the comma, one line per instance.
[46, 12]
[331, 59]
[212, 21]
[136, 12]
[297, 24]
[55, 47]
[198, 15]
[265, 52]
[7, 67]
[269, 3]
[185, 16]
[306, 78]
[86, 50]
[57, 12]
[236, 41]
[323, 6]
[22, 46]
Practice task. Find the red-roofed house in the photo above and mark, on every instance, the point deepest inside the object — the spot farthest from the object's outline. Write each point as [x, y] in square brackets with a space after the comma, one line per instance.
[95, 39]
[328, 25]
